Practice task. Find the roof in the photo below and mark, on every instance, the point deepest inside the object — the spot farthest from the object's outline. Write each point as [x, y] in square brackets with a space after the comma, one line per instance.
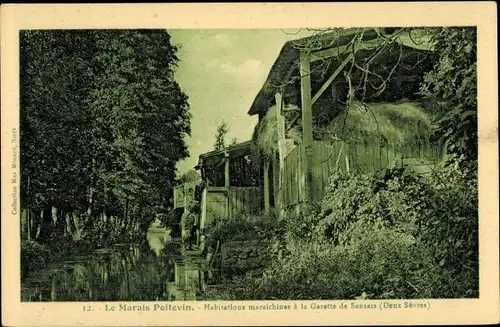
[288, 58]
[235, 150]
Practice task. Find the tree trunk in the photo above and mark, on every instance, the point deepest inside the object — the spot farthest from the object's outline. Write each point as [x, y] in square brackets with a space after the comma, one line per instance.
[76, 226]
[134, 221]
[39, 225]
[61, 223]
[54, 212]
[112, 223]
[125, 217]
[90, 209]
[46, 224]
[53, 291]
[35, 225]
[24, 224]
[57, 218]
[29, 224]
[68, 229]
[107, 225]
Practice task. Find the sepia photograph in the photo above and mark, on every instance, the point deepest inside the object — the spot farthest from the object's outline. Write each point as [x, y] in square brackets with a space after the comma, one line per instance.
[354, 173]
[343, 165]
[243, 169]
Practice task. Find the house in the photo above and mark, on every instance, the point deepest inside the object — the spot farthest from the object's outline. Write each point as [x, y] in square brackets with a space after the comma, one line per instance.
[344, 100]
[312, 122]
[231, 183]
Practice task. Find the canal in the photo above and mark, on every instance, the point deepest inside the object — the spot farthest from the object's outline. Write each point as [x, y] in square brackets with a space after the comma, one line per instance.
[159, 269]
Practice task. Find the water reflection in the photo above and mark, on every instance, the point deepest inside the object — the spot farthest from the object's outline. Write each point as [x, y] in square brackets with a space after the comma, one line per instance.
[159, 270]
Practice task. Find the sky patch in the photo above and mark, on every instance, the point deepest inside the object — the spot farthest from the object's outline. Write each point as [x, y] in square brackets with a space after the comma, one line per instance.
[221, 71]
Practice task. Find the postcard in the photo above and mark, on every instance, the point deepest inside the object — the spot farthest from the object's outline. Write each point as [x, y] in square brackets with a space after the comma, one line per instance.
[249, 164]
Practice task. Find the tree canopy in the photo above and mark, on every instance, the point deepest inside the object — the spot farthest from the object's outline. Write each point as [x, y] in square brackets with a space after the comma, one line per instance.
[102, 119]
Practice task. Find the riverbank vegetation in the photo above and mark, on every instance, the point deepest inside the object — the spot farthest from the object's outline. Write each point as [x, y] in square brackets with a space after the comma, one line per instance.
[102, 127]
[393, 234]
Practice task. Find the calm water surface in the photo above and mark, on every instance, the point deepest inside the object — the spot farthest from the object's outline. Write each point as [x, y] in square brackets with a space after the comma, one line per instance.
[158, 270]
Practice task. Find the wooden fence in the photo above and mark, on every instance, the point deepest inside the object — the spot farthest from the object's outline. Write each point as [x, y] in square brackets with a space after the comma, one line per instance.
[245, 200]
[328, 156]
[224, 202]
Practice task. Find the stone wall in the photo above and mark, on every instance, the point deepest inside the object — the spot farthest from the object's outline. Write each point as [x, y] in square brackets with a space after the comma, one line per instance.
[239, 257]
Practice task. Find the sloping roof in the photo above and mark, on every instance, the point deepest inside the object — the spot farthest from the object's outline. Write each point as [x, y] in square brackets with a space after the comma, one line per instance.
[235, 150]
[231, 149]
[289, 54]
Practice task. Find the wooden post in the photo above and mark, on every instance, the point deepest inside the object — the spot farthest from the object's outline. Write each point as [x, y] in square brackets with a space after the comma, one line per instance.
[227, 183]
[281, 136]
[226, 171]
[266, 188]
[280, 118]
[184, 191]
[307, 135]
[203, 209]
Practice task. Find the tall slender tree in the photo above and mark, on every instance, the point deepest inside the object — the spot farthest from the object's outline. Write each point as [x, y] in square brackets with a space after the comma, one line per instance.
[220, 135]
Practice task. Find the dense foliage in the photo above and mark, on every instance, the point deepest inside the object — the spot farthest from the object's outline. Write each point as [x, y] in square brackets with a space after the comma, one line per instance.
[262, 231]
[453, 83]
[386, 235]
[243, 228]
[102, 126]
[190, 175]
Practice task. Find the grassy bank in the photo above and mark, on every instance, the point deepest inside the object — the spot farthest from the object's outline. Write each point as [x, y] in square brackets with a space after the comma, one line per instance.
[390, 235]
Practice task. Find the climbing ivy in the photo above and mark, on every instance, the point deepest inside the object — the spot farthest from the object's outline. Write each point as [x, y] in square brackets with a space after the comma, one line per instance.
[452, 82]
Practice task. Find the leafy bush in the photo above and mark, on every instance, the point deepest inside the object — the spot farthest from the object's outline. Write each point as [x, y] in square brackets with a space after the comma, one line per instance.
[393, 196]
[172, 221]
[387, 235]
[449, 229]
[301, 226]
[33, 255]
[320, 271]
[244, 227]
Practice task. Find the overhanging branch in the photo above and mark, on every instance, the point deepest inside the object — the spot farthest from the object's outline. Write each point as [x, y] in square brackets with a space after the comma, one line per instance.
[332, 77]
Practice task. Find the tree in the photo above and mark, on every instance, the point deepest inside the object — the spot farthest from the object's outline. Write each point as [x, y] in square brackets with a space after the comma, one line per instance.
[102, 125]
[453, 83]
[220, 135]
[234, 141]
[55, 125]
[190, 176]
[149, 111]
